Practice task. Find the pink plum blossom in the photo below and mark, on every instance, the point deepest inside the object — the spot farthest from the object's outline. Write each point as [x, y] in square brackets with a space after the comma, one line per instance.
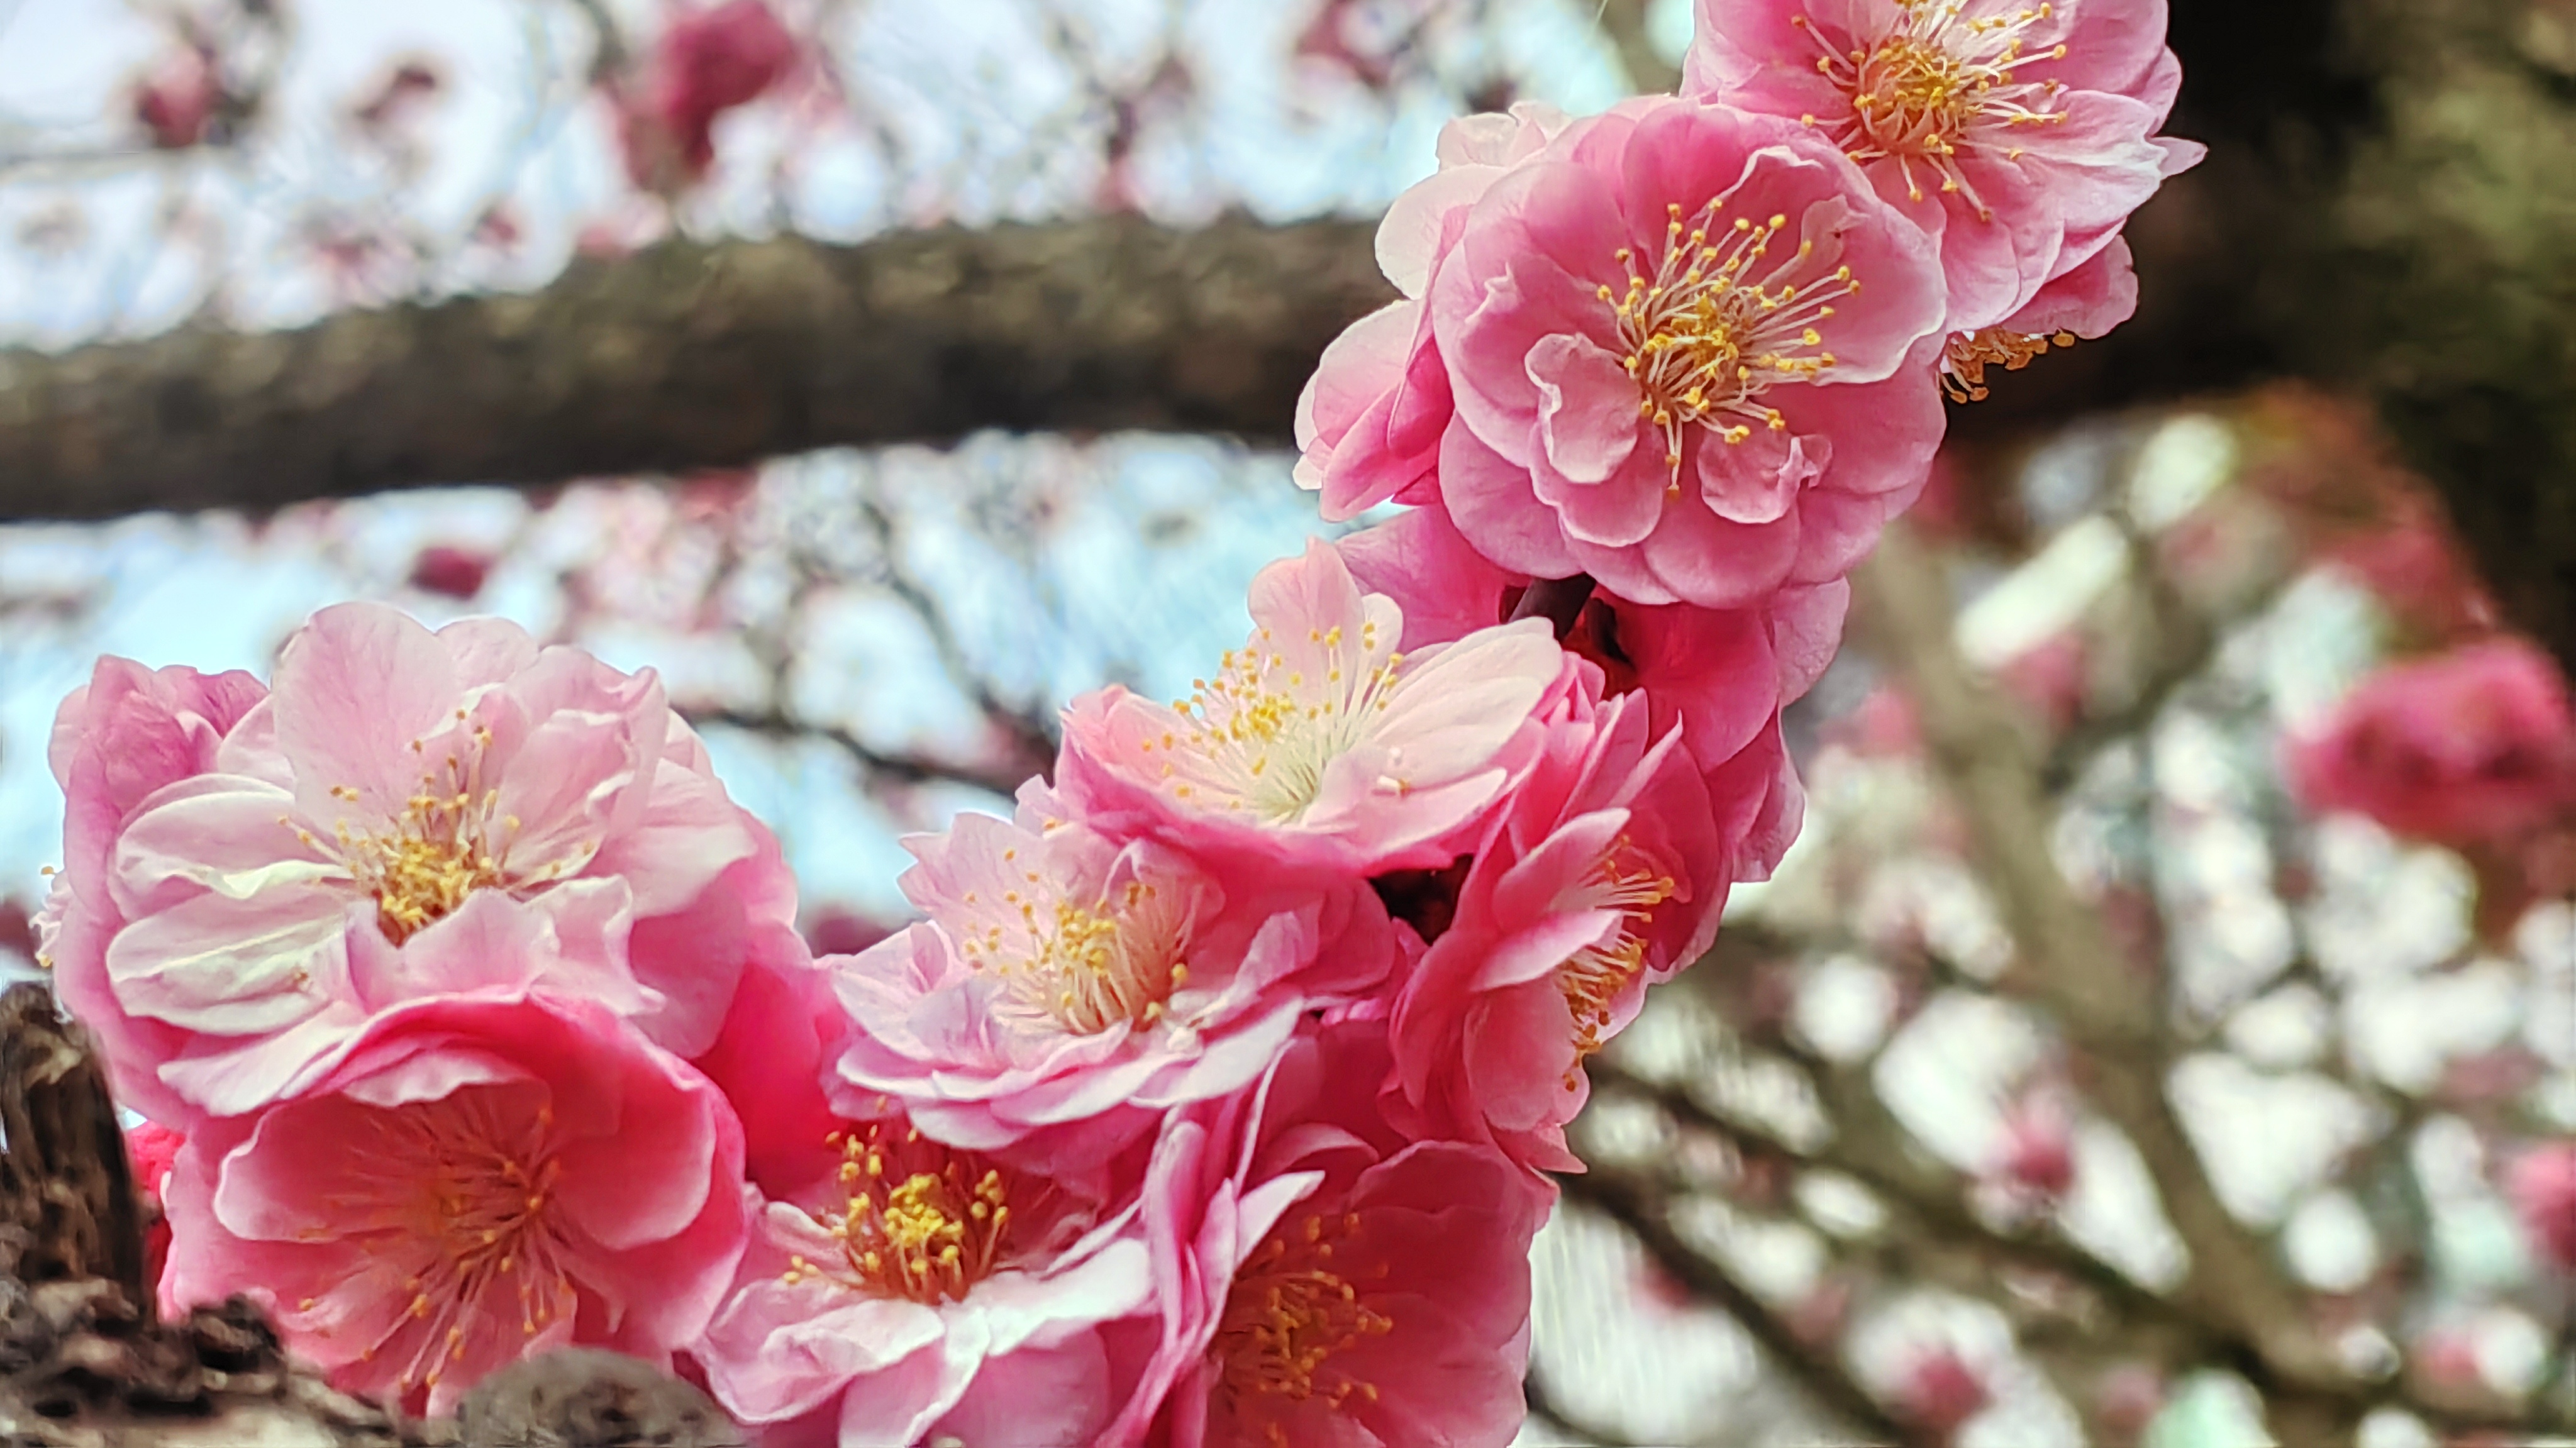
[1321, 1279]
[1939, 1391]
[2036, 1162]
[2476, 745]
[1692, 355]
[393, 778]
[473, 1182]
[1071, 987]
[1369, 421]
[709, 61]
[1324, 743]
[2018, 135]
[917, 1290]
[2542, 1186]
[1606, 872]
[2085, 303]
[117, 740]
[1721, 675]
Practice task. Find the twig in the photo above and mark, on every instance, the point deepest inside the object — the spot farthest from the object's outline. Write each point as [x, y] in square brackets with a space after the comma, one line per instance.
[1641, 1207]
[901, 768]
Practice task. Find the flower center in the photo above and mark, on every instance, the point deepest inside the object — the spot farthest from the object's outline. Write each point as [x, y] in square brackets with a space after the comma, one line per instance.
[1593, 978]
[443, 847]
[1965, 360]
[917, 1221]
[1088, 968]
[1713, 327]
[1940, 83]
[1290, 1313]
[1260, 735]
[470, 1179]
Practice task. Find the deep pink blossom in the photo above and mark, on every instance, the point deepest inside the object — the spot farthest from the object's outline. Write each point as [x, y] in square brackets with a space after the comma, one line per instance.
[150, 1149]
[1692, 356]
[392, 779]
[915, 1290]
[1326, 742]
[708, 61]
[117, 740]
[1721, 675]
[450, 571]
[1605, 873]
[1939, 1391]
[2037, 1159]
[1370, 419]
[1073, 989]
[472, 1183]
[176, 101]
[2471, 746]
[2542, 1186]
[1322, 1280]
[2019, 135]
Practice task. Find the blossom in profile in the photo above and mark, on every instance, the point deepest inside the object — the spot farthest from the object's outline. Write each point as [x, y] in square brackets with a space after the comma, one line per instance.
[117, 741]
[2019, 134]
[1324, 743]
[1369, 421]
[1073, 988]
[2476, 745]
[2542, 1187]
[916, 1290]
[1692, 356]
[473, 1183]
[1322, 1279]
[1721, 676]
[1605, 873]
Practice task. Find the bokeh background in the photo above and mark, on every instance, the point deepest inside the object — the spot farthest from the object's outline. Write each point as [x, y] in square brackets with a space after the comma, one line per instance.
[2080, 1077]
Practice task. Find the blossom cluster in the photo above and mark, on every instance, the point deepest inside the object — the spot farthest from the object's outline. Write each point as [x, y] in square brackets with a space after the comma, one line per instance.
[1212, 1098]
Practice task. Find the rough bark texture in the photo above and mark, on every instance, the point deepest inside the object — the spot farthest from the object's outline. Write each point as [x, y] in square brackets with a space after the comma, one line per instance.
[84, 1365]
[689, 356]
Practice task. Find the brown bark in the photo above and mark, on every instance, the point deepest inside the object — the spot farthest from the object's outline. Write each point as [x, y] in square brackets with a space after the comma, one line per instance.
[689, 356]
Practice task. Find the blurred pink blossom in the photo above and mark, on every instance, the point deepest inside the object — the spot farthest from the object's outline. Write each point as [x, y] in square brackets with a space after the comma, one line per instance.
[450, 571]
[1939, 1391]
[2542, 1185]
[707, 62]
[176, 99]
[2476, 745]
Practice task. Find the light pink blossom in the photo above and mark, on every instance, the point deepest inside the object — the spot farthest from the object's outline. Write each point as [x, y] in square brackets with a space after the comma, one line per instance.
[1323, 1280]
[918, 1290]
[393, 777]
[1692, 356]
[117, 740]
[2017, 134]
[1369, 421]
[474, 1182]
[1605, 873]
[1073, 989]
[2542, 1187]
[1324, 743]
[2472, 746]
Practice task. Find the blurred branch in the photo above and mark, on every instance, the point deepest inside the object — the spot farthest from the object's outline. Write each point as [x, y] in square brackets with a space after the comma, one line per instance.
[894, 766]
[2110, 1008]
[690, 355]
[1624, 22]
[1641, 1206]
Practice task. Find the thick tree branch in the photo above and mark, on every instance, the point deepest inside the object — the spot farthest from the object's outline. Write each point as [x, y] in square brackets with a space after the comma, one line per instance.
[690, 356]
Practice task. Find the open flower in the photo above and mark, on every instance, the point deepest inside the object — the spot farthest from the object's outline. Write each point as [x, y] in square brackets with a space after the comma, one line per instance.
[474, 1182]
[1322, 744]
[1607, 872]
[2473, 746]
[2542, 1187]
[918, 1289]
[1370, 419]
[1692, 355]
[2019, 134]
[1074, 988]
[393, 776]
[118, 740]
[1720, 675]
[1323, 1280]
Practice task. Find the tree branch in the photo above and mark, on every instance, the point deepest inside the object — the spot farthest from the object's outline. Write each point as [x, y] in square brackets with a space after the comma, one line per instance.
[688, 356]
